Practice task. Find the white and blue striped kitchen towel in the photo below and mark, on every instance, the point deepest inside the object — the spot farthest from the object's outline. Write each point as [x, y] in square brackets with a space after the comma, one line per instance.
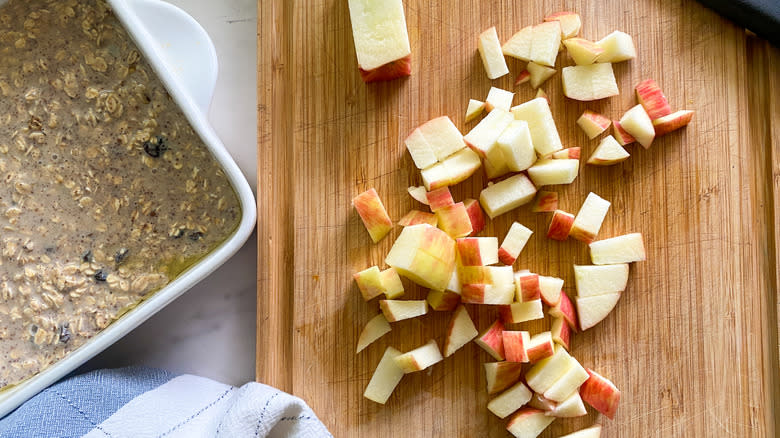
[143, 402]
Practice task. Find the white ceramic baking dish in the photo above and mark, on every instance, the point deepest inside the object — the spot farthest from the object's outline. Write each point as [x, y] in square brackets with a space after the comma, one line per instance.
[183, 56]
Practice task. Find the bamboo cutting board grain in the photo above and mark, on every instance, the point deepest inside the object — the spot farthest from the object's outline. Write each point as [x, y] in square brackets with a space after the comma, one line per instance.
[693, 342]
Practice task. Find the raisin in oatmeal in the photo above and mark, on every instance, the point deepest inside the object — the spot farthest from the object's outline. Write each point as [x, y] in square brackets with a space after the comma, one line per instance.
[106, 192]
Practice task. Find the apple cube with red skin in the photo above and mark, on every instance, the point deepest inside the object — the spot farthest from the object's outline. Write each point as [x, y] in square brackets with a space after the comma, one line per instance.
[417, 217]
[373, 214]
[476, 216]
[516, 146]
[419, 194]
[374, 329]
[560, 225]
[568, 383]
[650, 96]
[621, 135]
[454, 220]
[600, 393]
[528, 423]
[510, 400]
[442, 300]
[502, 375]
[548, 172]
[592, 310]
[608, 152]
[385, 377]
[545, 201]
[454, 169]
[589, 82]
[676, 120]
[590, 432]
[420, 358]
[482, 137]
[592, 280]
[498, 98]
[550, 289]
[397, 310]
[391, 283]
[474, 109]
[565, 309]
[520, 312]
[540, 347]
[571, 407]
[561, 333]
[491, 340]
[381, 39]
[544, 134]
[593, 123]
[588, 221]
[425, 255]
[439, 198]
[369, 282]
[570, 23]
[515, 343]
[460, 331]
[539, 402]
[621, 249]
[480, 293]
[638, 124]
[490, 50]
[477, 251]
[527, 286]
[498, 275]
[543, 375]
[618, 46]
[514, 242]
[582, 51]
[568, 153]
[507, 195]
[539, 74]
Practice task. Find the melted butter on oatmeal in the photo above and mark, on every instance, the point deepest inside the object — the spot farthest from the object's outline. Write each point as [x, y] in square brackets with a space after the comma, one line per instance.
[106, 192]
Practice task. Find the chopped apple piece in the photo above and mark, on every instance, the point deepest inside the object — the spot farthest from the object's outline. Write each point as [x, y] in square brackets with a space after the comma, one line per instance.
[638, 124]
[418, 193]
[608, 152]
[507, 195]
[439, 198]
[454, 284]
[519, 46]
[539, 74]
[385, 377]
[544, 134]
[420, 150]
[666, 124]
[565, 309]
[592, 310]
[590, 217]
[589, 82]
[546, 41]
[582, 51]
[456, 168]
[540, 346]
[391, 284]
[420, 358]
[482, 138]
[460, 331]
[381, 39]
[552, 172]
[514, 242]
[498, 98]
[569, 408]
[618, 46]
[650, 96]
[491, 340]
[443, 136]
[620, 134]
[417, 217]
[454, 220]
[545, 201]
[494, 165]
[481, 293]
[499, 275]
[510, 400]
[550, 288]
[560, 225]
[502, 375]
[528, 423]
[569, 153]
[397, 310]
[539, 402]
[373, 214]
[477, 251]
[568, 383]
[374, 329]
[425, 255]
[570, 23]
[527, 286]
[369, 282]
[622, 249]
[515, 343]
[594, 280]
[543, 375]
[590, 432]
[561, 333]
[541, 94]
[600, 393]
[593, 123]
[520, 312]
[476, 216]
[522, 78]
[516, 146]
[474, 109]
[492, 56]
[442, 300]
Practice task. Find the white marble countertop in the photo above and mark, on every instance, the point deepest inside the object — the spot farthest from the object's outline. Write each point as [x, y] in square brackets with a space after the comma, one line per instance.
[210, 330]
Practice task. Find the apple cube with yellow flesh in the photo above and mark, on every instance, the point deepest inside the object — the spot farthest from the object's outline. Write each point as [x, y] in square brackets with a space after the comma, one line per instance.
[482, 138]
[514, 242]
[561, 333]
[498, 98]
[418, 193]
[589, 82]
[519, 45]
[545, 202]
[398, 310]
[520, 312]
[552, 172]
[460, 331]
[571, 407]
[676, 120]
[593, 123]
[443, 137]
[550, 289]
[480, 293]
[504, 196]
[491, 340]
[502, 375]
[565, 309]
[369, 282]
[391, 284]
[492, 58]
[590, 432]
[570, 23]
[618, 46]
[544, 134]
[528, 423]
[539, 74]
[546, 42]
[547, 371]
[510, 400]
[442, 300]
[592, 310]
[592, 280]
[515, 343]
[477, 251]
[374, 329]
[454, 220]
[568, 153]
[650, 96]
[385, 377]
[474, 109]
[608, 152]
[621, 249]
[381, 39]
[638, 124]
[600, 393]
[420, 150]
[420, 358]
[540, 347]
[373, 214]
[588, 221]
[568, 383]
[582, 51]
[527, 286]
[417, 217]
[516, 146]
[425, 255]
[454, 169]
[560, 225]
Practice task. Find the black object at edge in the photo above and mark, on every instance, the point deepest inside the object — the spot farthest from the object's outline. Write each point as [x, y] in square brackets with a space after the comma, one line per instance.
[759, 16]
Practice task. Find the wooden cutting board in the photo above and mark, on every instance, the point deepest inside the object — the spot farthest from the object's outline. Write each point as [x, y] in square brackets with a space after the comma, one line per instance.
[693, 342]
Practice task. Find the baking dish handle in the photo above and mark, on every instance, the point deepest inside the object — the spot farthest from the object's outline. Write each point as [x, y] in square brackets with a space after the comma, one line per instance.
[183, 45]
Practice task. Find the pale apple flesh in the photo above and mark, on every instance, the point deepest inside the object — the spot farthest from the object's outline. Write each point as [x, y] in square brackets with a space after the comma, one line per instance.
[600, 393]
[588, 221]
[519, 45]
[419, 194]
[539, 74]
[570, 23]
[541, 94]
[666, 124]
[550, 289]
[621, 249]
[544, 373]
[582, 51]
[477, 251]
[374, 329]
[454, 169]
[381, 39]
[618, 46]
[481, 293]
[482, 137]
[568, 153]
[510, 400]
[398, 310]
[528, 423]
[391, 283]
[621, 135]
[516, 146]
[492, 57]
[373, 214]
[491, 340]
[589, 82]
[474, 109]
[417, 217]
[425, 255]
[590, 432]
[638, 124]
[592, 280]
[507, 195]
[554, 172]
[369, 282]
[540, 347]
[442, 300]
[520, 312]
[608, 152]
[460, 331]
[502, 375]
[499, 98]
[592, 310]
[571, 407]
[386, 377]
[593, 123]
[420, 358]
[454, 220]
[514, 242]
[544, 134]
[568, 383]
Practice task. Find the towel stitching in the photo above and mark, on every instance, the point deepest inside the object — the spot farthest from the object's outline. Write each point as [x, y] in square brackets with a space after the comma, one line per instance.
[262, 414]
[193, 416]
[83, 414]
[221, 423]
